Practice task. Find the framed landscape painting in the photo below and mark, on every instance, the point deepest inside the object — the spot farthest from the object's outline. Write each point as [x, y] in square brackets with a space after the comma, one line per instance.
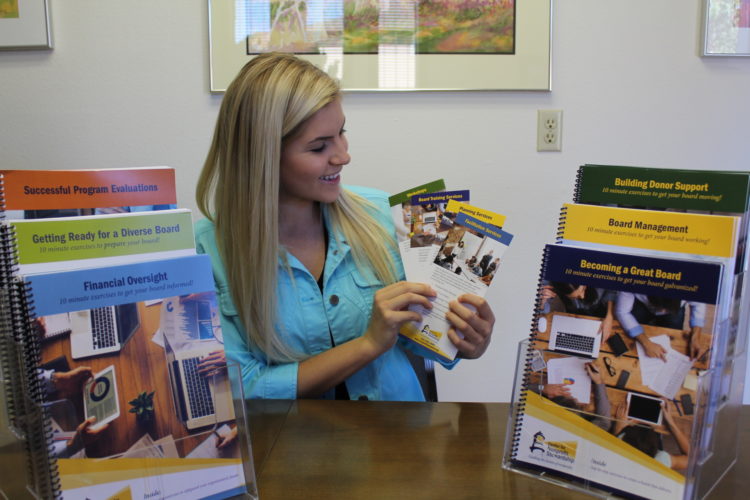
[391, 44]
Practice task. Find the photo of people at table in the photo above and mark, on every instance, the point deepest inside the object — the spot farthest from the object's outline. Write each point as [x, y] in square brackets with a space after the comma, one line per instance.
[470, 254]
[145, 379]
[429, 224]
[626, 362]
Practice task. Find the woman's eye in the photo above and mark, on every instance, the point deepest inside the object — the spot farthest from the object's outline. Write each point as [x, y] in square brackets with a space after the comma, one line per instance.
[318, 149]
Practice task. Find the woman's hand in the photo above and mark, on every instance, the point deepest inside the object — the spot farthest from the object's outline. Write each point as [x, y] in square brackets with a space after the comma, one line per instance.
[390, 310]
[472, 316]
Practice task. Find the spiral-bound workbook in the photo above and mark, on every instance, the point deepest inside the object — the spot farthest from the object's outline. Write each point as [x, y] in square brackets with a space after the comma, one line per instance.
[615, 375]
[666, 234]
[62, 219]
[110, 322]
[696, 191]
[678, 190]
[144, 359]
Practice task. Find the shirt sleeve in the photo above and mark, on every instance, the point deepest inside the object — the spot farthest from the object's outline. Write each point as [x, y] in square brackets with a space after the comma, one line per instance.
[260, 379]
[623, 307]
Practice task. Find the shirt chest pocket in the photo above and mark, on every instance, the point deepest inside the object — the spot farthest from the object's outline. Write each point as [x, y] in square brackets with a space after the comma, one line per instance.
[361, 291]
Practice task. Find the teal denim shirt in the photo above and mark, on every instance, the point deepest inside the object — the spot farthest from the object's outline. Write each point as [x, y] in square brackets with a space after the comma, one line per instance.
[305, 316]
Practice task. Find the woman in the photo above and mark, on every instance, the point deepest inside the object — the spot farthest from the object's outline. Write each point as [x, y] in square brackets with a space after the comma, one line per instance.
[307, 272]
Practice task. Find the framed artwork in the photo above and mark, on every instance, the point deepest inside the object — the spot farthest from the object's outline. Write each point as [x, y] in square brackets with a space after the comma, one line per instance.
[726, 30]
[390, 45]
[24, 24]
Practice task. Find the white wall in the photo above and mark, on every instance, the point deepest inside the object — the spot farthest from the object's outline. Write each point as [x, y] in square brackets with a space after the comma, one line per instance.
[127, 85]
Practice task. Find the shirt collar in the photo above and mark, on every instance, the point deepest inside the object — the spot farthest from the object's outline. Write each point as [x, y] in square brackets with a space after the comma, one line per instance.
[338, 248]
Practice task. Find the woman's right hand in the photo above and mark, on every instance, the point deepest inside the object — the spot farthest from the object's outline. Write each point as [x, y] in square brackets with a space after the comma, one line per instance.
[390, 310]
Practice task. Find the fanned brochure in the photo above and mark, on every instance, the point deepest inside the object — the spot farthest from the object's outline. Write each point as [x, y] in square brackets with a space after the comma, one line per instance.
[599, 406]
[466, 262]
[431, 222]
[146, 333]
[403, 214]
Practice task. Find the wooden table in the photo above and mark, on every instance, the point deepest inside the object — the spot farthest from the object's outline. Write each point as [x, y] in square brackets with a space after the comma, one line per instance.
[385, 450]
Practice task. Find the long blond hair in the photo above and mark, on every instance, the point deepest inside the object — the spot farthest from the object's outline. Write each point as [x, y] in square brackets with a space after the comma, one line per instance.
[238, 189]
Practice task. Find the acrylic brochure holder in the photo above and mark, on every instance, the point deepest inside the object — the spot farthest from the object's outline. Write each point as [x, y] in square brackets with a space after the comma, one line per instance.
[213, 459]
[712, 438]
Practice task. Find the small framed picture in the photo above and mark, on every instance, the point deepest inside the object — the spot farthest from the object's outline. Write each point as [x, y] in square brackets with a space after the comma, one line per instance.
[726, 28]
[24, 24]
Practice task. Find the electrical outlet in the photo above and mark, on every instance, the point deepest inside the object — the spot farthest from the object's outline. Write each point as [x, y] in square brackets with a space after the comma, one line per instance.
[549, 130]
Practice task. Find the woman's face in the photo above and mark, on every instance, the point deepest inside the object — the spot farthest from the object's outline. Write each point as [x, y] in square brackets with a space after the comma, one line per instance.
[312, 159]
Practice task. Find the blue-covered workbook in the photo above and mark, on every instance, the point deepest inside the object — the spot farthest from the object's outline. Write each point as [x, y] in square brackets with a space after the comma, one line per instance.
[616, 375]
[139, 378]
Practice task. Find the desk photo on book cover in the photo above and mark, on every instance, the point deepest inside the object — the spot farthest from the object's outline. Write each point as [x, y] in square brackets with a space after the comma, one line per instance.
[391, 45]
[144, 375]
[597, 405]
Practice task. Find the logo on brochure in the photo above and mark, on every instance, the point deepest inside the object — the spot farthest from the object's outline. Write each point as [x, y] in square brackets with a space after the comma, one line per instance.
[538, 443]
[430, 334]
[558, 451]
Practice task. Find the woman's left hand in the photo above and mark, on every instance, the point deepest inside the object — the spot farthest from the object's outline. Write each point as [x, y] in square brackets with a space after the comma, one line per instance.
[476, 327]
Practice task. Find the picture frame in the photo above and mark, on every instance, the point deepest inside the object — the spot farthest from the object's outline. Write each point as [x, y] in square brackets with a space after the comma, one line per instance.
[25, 25]
[237, 27]
[726, 28]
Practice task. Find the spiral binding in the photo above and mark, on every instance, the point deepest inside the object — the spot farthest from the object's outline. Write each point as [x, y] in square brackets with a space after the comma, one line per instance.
[10, 350]
[577, 190]
[2, 197]
[41, 460]
[19, 358]
[519, 409]
[561, 225]
[10, 357]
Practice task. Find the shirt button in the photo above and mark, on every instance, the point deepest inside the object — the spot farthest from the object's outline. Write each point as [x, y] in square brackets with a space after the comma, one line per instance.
[335, 252]
[363, 398]
[334, 300]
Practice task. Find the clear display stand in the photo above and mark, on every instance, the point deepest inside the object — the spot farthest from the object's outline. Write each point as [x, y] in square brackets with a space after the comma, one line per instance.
[712, 436]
